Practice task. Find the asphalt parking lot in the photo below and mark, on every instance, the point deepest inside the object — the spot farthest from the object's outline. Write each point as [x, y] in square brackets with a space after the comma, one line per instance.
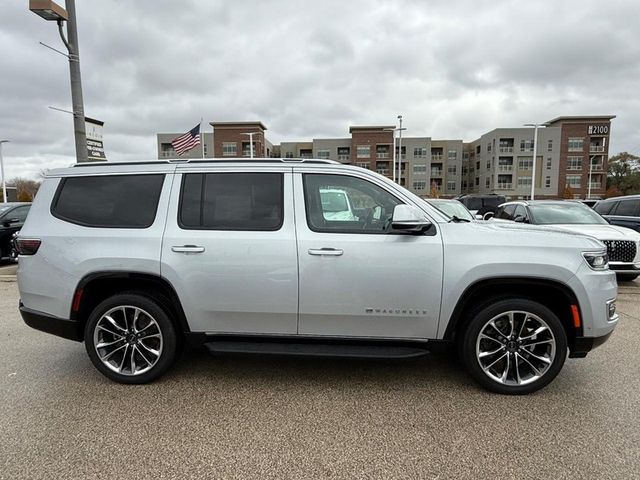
[233, 417]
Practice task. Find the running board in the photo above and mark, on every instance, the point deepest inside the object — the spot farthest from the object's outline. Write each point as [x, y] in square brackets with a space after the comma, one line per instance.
[314, 350]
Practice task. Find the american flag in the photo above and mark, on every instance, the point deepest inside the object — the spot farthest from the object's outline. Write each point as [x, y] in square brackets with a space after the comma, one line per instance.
[186, 142]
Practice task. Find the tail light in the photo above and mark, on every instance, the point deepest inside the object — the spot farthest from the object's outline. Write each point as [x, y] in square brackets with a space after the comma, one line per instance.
[27, 246]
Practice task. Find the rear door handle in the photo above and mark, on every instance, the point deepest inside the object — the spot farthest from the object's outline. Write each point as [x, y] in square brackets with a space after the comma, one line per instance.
[327, 252]
[187, 249]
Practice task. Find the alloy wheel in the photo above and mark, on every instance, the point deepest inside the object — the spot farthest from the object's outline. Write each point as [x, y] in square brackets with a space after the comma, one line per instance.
[515, 348]
[128, 340]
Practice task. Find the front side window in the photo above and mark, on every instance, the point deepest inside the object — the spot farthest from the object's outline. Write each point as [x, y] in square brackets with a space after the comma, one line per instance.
[506, 212]
[344, 204]
[109, 201]
[627, 208]
[231, 201]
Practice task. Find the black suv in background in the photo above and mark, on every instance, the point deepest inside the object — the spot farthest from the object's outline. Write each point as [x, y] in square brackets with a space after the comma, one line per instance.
[12, 217]
[621, 211]
[481, 205]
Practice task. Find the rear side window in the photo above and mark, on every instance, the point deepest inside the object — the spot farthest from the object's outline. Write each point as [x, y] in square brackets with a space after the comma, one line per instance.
[232, 201]
[628, 208]
[507, 212]
[604, 208]
[110, 201]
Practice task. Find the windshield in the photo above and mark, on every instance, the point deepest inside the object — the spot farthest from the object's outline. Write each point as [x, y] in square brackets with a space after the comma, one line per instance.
[568, 213]
[451, 208]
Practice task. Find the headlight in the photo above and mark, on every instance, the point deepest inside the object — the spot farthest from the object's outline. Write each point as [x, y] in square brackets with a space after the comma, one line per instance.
[597, 261]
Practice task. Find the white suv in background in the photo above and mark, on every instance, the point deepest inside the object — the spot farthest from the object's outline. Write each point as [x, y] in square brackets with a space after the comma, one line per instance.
[141, 259]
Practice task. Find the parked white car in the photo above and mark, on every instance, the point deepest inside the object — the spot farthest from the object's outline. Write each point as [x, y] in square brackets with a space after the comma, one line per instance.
[623, 244]
[240, 256]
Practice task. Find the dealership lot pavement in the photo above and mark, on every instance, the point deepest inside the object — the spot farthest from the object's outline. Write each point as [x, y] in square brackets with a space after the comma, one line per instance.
[289, 418]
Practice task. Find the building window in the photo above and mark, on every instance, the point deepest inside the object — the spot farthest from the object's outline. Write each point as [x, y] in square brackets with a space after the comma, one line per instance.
[477, 181]
[574, 163]
[451, 186]
[452, 154]
[524, 182]
[419, 152]
[363, 165]
[488, 147]
[363, 151]
[465, 170]
[525, 163]
[324, 154]
[576, 144]
[420, 168]
[478, 165]
[289, 155]
[573, 181]
[229, 149]
[548, 163]
[464, 184]
[487, 182]
[547, 182]
[344, 153]
[488, 164]
[452, 169]
[526, 145]
[419, 185]
[550, 146]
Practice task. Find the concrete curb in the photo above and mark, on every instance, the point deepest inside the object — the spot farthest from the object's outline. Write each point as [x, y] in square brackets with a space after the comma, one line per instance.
[7, 278]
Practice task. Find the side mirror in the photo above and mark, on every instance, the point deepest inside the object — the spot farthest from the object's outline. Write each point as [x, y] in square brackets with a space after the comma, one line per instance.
[409, 219]
[520, 219]
[9, 221]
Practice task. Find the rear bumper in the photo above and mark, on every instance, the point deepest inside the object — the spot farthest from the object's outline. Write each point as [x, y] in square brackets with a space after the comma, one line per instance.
[580, 346]
[61, 327]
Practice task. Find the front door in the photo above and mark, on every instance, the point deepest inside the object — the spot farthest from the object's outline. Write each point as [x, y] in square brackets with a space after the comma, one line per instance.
[358, 277]
[229, 249]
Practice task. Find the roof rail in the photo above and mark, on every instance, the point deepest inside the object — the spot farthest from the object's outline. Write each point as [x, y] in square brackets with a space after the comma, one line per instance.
[210, 160]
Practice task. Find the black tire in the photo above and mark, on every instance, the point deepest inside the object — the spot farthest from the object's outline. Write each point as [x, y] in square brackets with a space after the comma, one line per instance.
[627, 277]
[497, 311]
[166, 346]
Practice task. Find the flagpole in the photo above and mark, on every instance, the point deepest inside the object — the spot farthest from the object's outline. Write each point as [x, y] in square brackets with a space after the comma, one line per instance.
[202, 137]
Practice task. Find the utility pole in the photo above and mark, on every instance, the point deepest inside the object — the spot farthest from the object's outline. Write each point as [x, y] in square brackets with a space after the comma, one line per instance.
[4, 184]
[400, 150]
[49, 10]
[535, 154]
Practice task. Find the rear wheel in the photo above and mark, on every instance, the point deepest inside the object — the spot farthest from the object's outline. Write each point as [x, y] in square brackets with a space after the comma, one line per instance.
[514, 346]
[130, 338]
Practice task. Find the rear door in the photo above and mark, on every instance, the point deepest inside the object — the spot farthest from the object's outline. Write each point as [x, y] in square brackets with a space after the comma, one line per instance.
[229, 248]
[626, 214]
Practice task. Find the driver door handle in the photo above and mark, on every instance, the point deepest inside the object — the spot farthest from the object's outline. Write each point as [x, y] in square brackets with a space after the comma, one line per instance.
[326, 252]
[187, 249]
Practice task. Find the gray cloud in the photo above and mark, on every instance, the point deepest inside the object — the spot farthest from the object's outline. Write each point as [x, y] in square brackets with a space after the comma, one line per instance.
[311, 69]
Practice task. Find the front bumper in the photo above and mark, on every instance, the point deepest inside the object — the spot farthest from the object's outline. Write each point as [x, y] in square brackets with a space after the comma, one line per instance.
[61, 327]
[580, 346]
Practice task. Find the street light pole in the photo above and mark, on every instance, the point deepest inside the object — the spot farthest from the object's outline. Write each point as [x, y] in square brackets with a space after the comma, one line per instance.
[4, 184]
[400, 150]
[49, 10]
[251, 134]
[590, 170]
[535, 154]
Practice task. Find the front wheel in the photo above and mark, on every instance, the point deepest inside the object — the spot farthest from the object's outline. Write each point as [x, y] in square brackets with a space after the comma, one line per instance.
[130, 338]
[514, 346]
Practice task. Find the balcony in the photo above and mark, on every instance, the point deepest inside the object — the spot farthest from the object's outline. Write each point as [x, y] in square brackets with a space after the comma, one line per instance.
[383, 171]
[596, 148]
[505, 168]
[168, 154]
[506, 149]
[436, 158]
[597, 167]
[382, 154]
[436, 172]
[504, 186]
[344, 157]
[595, 185]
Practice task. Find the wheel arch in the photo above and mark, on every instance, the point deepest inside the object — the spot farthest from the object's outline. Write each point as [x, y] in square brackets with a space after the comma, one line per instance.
[97, 286]
[558, 296]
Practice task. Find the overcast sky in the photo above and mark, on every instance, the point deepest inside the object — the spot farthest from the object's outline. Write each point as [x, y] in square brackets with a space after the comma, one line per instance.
[453, 69]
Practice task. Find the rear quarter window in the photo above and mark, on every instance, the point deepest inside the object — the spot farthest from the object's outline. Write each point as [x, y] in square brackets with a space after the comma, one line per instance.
[109, 201]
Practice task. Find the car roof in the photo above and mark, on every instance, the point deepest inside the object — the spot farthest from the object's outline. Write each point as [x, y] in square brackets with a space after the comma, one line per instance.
[165, 166]
[14, 204]
[527, 203]
[621, 197]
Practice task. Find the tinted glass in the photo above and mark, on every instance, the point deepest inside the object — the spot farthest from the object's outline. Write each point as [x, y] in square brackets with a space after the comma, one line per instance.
[570, 213]
[627, 208]
[473, 203]
[604, 208]
[452, 208]
[344, 204]
[520, 210]
[232, 201]
[116, 201]
[506, 212]
[19, 213]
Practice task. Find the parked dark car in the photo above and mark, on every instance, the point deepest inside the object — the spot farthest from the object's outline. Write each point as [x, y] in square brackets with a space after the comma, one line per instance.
[482, 206]
[621, 211]
[12, 217]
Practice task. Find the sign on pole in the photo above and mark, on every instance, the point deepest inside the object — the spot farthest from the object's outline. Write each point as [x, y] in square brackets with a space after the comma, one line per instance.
[95, 147]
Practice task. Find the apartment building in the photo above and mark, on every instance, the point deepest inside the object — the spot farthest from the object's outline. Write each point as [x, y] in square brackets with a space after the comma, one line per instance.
[571, 151]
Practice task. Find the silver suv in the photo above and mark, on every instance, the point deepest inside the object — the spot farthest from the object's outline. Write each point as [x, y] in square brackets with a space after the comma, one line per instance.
[142, 259]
